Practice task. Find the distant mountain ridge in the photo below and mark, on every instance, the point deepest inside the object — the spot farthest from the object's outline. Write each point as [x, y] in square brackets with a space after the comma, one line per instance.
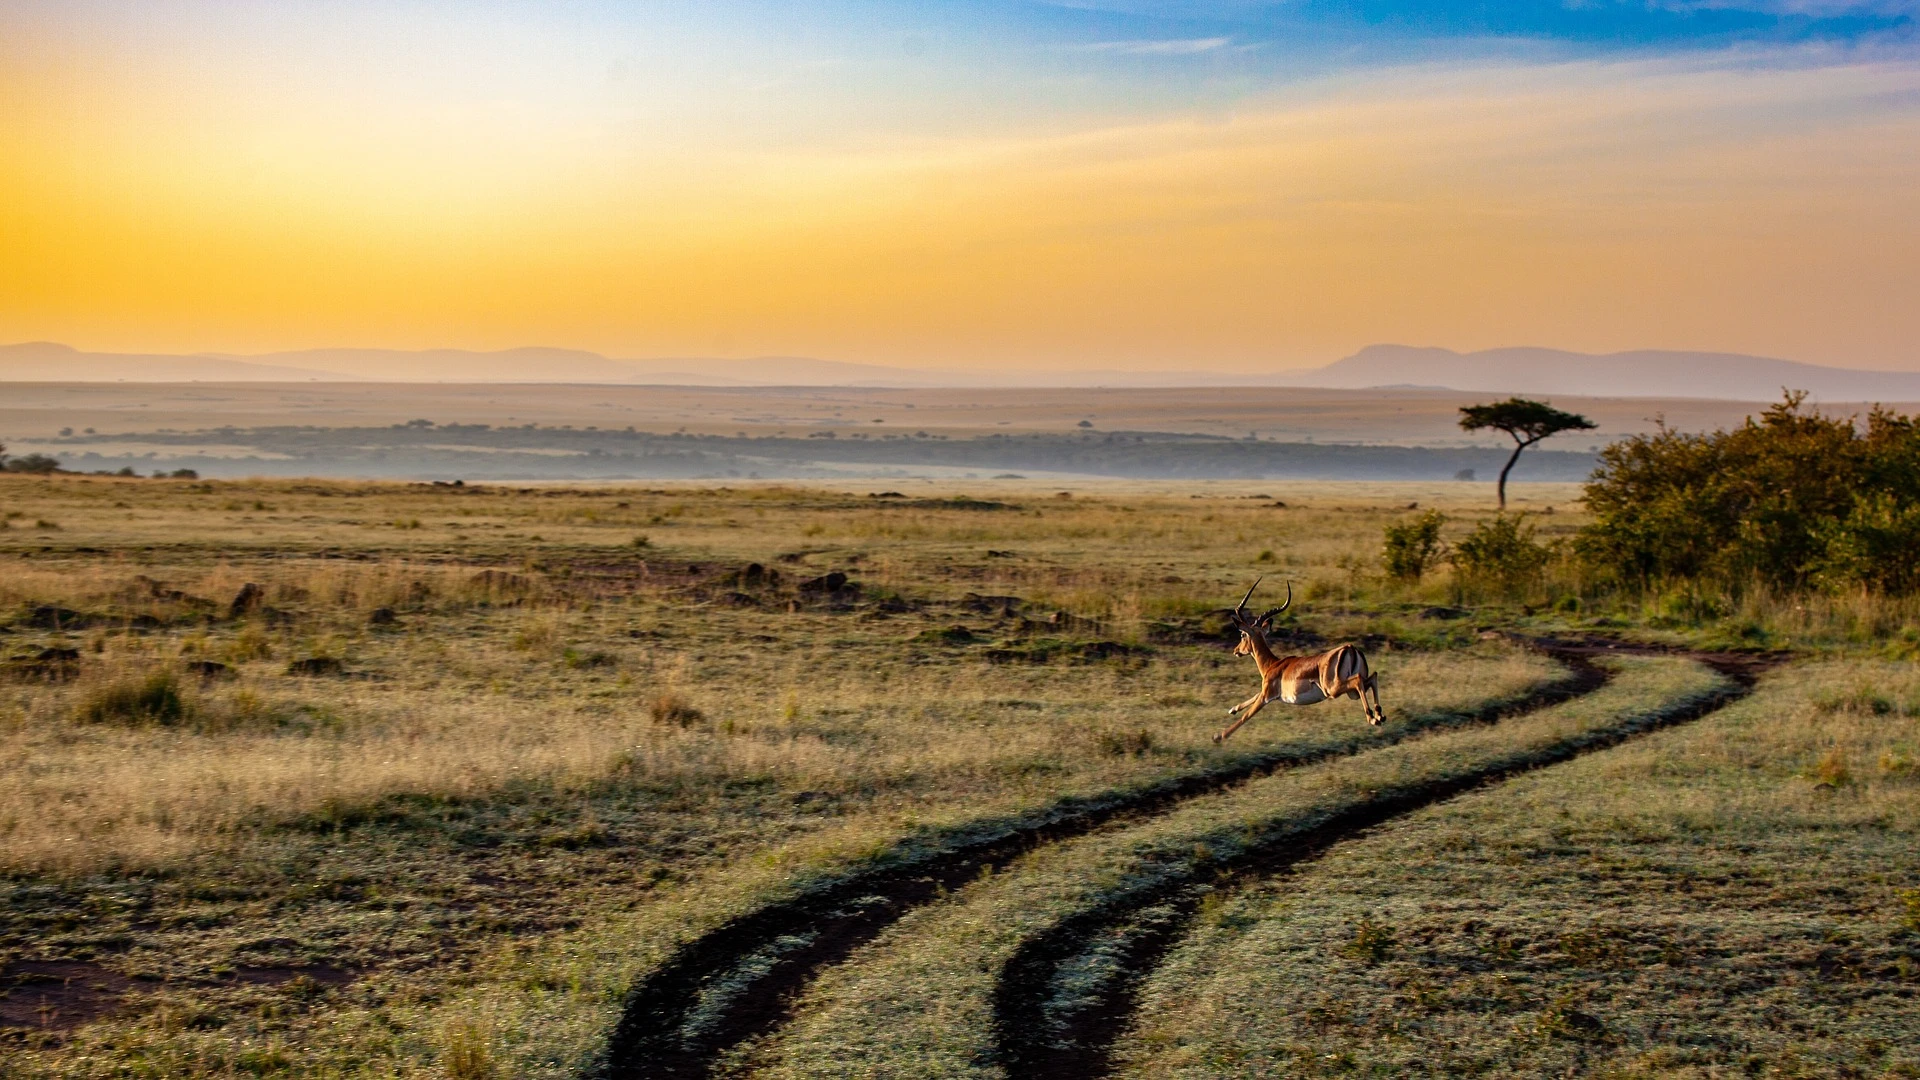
[1640, 373]
[1524, 370]
[47, 361]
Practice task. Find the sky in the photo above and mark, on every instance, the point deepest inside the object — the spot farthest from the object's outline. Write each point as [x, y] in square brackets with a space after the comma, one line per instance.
[1132, 184]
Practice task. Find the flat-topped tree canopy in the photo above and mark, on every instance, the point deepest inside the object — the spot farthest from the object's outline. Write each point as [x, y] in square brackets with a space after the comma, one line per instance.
[1526, 420]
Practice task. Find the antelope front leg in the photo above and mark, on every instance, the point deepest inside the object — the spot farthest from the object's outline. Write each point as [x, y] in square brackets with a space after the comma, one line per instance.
[1247, 704]
[1259, 703]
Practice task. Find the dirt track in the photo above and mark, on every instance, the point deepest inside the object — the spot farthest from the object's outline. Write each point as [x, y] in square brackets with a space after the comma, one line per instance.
[1030, 1048]
[652, 1040]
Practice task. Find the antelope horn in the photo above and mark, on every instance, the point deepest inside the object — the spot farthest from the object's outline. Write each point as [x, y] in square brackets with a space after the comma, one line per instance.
[1282, 607]
[1240, 609]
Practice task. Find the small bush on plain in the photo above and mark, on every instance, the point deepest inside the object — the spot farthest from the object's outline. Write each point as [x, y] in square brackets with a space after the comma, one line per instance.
[1501, 552]
[1413, 547]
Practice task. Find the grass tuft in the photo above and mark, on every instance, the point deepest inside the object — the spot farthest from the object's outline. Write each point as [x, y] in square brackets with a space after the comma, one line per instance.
[135, 698]
[674, 709]
[1372, 942]
[466, 1053]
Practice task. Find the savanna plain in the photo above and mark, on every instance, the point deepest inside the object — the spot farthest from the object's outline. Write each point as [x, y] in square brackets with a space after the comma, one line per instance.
[364, 779]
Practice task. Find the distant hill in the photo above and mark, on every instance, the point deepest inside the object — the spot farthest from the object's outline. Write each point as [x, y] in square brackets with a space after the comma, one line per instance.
[1647, 373]
[46, 361]
[1643, 373]
[456, 365]
[42, 361]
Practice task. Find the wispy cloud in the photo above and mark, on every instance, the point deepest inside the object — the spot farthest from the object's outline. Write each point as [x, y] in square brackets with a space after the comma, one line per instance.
[1160, 47]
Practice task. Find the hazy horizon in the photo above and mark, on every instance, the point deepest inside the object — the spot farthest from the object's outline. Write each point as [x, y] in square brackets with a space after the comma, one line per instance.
[369, 354]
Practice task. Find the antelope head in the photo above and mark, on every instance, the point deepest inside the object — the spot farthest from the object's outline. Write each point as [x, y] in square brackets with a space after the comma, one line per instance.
[1249, 625]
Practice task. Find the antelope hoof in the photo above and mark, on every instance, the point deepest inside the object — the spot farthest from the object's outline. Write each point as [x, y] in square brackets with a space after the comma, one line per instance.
[1217, 738]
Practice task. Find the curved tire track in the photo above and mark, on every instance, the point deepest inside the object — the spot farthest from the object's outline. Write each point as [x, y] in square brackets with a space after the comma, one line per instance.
[793, 941]
[1030, 1046]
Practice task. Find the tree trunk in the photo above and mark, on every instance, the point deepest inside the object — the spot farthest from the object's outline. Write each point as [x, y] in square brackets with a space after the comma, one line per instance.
[1517, 447]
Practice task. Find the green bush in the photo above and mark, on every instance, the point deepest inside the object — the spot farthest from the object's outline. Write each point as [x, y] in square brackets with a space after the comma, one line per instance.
[1501, 552]
[1413, 547]
[1877, 546]
[34, 463]
[1790, 499]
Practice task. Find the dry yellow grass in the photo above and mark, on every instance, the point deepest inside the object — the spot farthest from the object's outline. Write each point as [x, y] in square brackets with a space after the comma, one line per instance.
[1732, 896]
[486, 763]
[567, 751]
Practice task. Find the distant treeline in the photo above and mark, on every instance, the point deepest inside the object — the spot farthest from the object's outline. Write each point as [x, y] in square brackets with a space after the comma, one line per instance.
[478, 451]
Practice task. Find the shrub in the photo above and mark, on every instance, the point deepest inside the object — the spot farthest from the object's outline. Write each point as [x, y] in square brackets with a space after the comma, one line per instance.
[1790, 499]
[34, 463]
[1413, 547]
[153, 697]
[1876, 546]
[1501, 552]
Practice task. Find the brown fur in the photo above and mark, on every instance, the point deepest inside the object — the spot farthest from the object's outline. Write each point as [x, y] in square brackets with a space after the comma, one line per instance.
[1300, 680]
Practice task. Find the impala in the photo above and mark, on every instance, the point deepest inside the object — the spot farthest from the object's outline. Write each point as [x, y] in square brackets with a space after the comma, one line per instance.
[1299, 680]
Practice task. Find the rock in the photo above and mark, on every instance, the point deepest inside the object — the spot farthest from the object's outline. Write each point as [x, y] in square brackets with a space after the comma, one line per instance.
[383, 617]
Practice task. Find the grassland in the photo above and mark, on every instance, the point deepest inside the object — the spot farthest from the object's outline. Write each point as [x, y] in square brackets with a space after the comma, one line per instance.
[464, 765]
[922, 1002]
[1733, 897]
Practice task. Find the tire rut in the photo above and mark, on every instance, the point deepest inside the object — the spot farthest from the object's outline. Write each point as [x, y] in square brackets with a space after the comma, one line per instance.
[1029, 1045]
[788, 944]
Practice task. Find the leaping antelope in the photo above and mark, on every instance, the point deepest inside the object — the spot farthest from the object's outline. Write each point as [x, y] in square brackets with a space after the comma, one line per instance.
[1299, 680]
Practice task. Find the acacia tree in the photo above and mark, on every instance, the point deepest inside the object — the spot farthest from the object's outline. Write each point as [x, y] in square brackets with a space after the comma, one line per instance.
[1527, 421]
